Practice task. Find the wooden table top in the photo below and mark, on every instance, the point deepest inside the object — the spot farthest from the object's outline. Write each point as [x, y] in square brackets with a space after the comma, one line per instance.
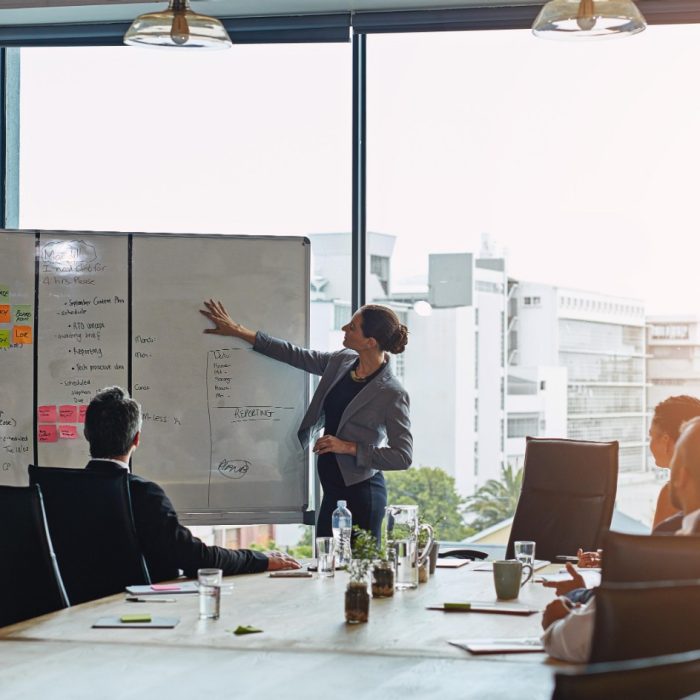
[303, 629]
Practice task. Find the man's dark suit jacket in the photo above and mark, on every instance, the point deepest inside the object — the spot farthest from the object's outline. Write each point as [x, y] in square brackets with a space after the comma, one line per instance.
[167, 545]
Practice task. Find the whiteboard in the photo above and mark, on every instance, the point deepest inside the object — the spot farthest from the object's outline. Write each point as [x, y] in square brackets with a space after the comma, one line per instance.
[220, 420]
[17, 277]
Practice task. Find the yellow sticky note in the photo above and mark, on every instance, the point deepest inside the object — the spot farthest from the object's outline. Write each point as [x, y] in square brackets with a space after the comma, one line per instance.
[136, 617]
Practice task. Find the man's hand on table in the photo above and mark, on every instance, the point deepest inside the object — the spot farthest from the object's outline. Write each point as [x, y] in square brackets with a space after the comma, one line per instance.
[276, 561]
[556, 610]
[564, 587]
[589, 559]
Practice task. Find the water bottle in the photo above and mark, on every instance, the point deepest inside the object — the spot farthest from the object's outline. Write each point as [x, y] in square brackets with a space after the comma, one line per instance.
[341, 522]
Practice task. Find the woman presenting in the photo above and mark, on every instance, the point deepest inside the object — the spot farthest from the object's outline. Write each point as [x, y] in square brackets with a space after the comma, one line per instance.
[363, 408]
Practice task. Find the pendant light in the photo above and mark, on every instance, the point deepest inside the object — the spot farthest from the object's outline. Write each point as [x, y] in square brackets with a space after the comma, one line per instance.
[588, 19]
[177, 27]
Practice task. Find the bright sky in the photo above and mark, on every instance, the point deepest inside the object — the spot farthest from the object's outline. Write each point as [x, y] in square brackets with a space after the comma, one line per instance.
[580, 159]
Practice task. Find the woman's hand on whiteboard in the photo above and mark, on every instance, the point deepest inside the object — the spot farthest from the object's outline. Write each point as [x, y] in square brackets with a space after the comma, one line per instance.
[277, 561]
[225, 325]
[330, 443]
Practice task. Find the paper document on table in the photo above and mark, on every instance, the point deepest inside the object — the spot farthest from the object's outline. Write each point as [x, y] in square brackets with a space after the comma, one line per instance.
[488, 565]
[499, 646]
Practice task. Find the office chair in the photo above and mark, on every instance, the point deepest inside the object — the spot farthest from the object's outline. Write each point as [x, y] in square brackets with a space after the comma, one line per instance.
[567, 496]
[668, 677]
[31, 583]
[638, 620]
[634, 558]
[92, 525]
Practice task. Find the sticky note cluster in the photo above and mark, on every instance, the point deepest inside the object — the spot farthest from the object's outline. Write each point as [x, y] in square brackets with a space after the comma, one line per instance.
[19, 318]
[58, 422]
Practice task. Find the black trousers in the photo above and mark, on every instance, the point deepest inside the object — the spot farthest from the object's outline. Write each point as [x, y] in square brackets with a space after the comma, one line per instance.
[366, 501]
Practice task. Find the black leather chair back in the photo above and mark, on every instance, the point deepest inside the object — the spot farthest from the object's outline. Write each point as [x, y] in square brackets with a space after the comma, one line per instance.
[661, 678]
[631, 558]
[567, 497]
[30, 584]
[90, 518]
[636, 620]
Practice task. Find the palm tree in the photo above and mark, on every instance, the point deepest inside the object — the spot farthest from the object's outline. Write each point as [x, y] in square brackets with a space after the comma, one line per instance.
[496, 500]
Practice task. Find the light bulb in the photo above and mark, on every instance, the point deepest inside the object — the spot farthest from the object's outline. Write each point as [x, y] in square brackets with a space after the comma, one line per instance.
[180, 31]
[586, 15]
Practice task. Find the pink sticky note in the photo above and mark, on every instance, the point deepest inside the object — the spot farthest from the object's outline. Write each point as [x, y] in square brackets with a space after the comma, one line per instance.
[67, 432]
[165, 587]
[68, 413]
[47, 414]
[82, 410]
[48, 433]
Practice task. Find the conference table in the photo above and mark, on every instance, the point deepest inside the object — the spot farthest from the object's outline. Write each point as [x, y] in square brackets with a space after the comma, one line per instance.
[305, 648]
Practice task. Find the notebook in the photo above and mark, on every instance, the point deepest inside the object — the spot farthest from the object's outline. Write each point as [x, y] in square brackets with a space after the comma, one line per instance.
[163, 588]
[154, 623]
[523, 645]
[486, 607]
[488, 565]
[451, 563]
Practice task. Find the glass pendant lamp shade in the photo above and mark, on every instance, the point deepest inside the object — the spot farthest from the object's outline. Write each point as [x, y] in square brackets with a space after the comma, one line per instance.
[177, 27]
[587, 19]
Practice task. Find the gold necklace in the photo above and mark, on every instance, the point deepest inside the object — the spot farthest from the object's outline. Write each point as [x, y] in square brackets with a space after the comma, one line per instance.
[355, 378]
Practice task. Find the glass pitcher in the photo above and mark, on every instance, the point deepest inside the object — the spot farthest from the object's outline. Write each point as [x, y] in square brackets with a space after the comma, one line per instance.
[402, 530]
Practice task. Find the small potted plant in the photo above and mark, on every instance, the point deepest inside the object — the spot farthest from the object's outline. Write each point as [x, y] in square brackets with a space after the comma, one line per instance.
[382, 575]
[364, 552]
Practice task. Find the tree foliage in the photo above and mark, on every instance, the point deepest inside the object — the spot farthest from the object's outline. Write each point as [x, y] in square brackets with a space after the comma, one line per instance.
[496, 500]
[434, 492]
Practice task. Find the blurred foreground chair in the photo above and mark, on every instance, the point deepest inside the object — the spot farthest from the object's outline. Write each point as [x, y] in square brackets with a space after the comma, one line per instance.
[635, 558]
[567, 497]
[93, 531]
[30, 584]
[638, 620]
[662, 678]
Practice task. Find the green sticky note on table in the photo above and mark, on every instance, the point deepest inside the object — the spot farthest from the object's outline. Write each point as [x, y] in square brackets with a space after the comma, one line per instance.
[136, 617]
[245, 629]
[4, 292]
[4, 337]
[457, 606]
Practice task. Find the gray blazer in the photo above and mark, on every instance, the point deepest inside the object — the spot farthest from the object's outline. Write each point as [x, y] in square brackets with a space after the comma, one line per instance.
[377, 419]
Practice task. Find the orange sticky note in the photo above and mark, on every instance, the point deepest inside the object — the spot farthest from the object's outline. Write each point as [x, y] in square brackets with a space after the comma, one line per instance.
[21, 335]
[68, 413]
[48, 433]
[4, 313]
[46, 414]
[82, 410]
[67, 432]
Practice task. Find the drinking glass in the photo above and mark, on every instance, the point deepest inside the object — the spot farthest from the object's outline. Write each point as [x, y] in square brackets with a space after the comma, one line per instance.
[525, 552]
[209, 584]
[325, 553]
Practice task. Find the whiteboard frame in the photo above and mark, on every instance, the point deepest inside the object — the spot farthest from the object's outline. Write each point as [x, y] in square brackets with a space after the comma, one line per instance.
[210, 517]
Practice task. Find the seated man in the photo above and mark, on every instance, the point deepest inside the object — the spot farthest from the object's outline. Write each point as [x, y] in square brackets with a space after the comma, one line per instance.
[113, 429]
[569, 626]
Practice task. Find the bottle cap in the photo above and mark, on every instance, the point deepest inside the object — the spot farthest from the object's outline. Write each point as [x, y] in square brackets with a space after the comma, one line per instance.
[342, 504]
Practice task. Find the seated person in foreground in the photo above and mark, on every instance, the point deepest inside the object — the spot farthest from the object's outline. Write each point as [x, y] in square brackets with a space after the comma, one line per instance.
[113, 429]
[669, 416]
[569, 626]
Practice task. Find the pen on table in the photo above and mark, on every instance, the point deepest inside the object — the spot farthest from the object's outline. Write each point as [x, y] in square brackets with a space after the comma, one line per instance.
[131, 599]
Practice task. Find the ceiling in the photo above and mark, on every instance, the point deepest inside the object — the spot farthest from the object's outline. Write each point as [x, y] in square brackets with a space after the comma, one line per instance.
[68, 11]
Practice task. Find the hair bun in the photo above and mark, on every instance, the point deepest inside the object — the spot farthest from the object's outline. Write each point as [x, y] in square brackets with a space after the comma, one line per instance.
[399, 339]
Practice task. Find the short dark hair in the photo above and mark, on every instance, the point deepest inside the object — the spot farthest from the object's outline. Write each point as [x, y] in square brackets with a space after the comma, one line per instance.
[111, 423]
[670, 414]
[382, 324]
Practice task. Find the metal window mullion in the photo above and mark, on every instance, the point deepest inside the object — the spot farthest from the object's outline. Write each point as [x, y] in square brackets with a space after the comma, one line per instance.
[359, 170]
